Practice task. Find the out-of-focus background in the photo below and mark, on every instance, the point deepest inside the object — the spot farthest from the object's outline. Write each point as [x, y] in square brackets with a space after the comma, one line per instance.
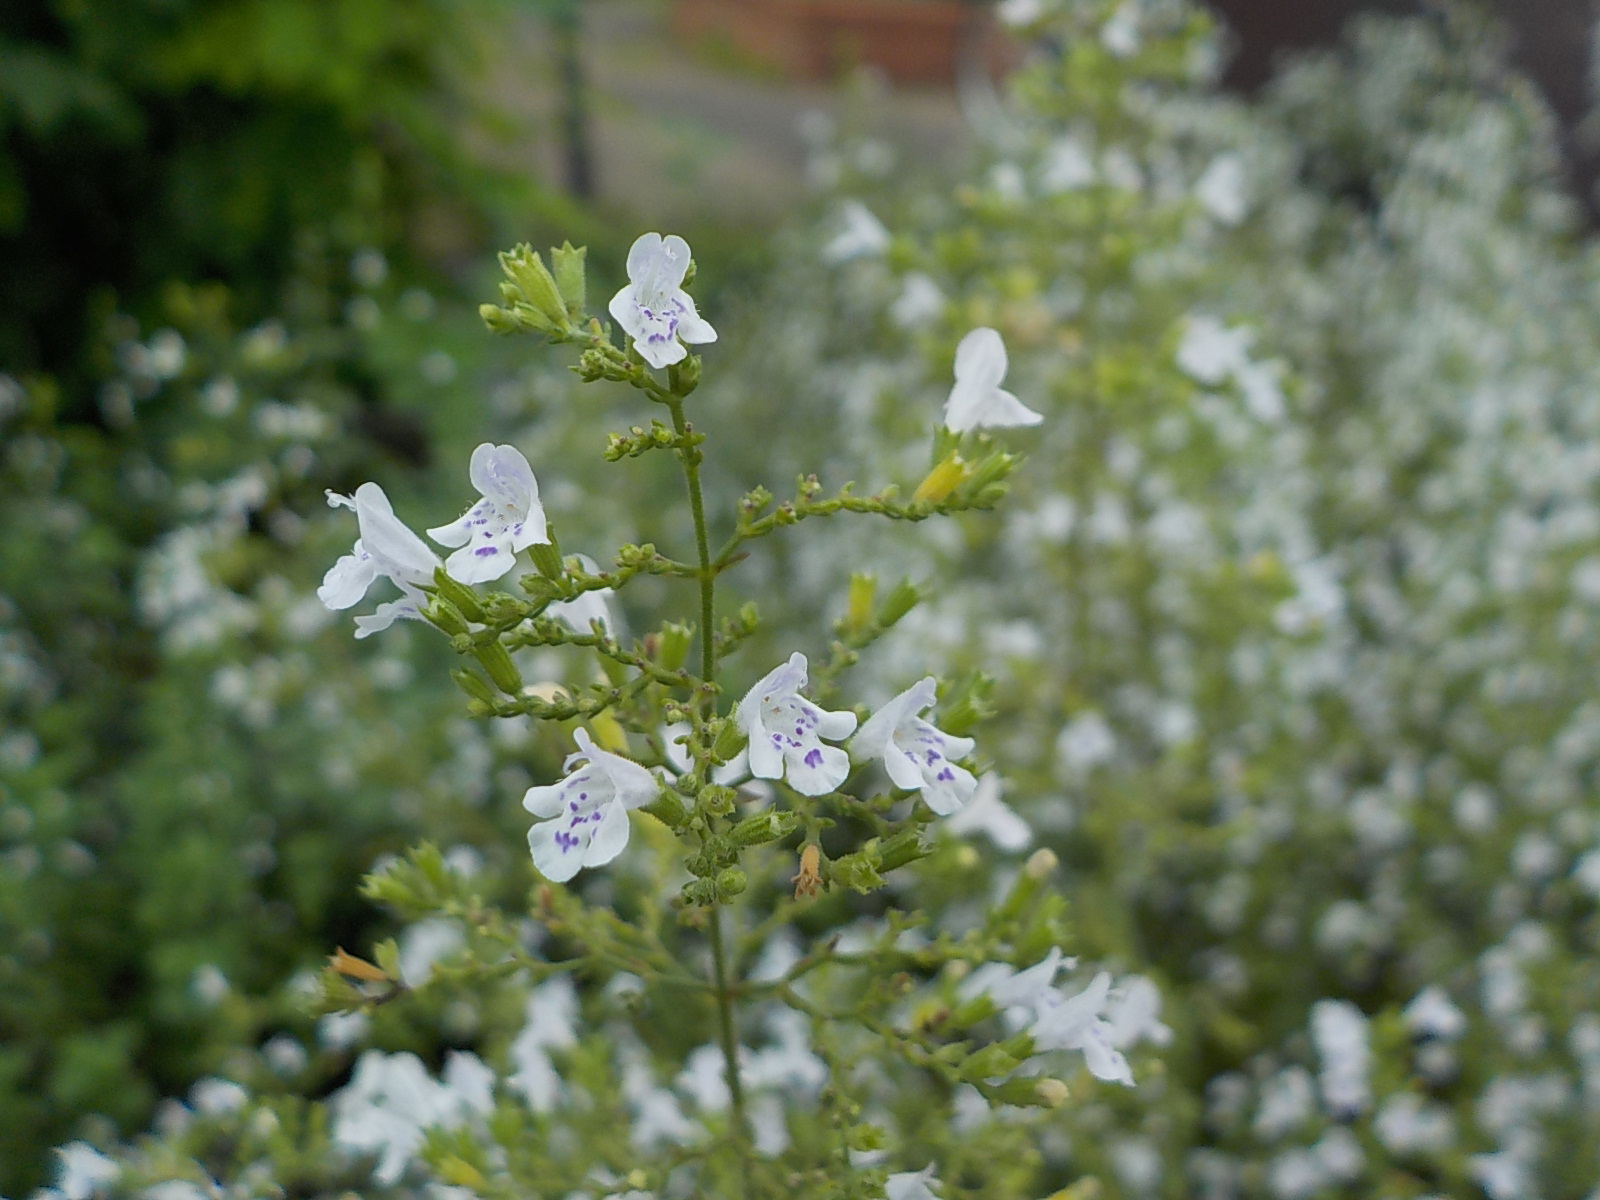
[242, 244]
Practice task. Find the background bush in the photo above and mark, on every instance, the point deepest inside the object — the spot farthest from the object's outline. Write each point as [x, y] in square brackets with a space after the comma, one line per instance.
[1301, 689]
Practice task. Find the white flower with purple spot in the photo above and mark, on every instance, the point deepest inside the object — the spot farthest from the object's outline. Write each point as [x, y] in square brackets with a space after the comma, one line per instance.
[498, 527]
[386, 549]
[585, 816]
[977, 401]
[917, 756]
[653, 309]
[786, 731]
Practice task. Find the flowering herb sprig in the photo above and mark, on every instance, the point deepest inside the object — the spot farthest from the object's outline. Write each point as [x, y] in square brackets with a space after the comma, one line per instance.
[757, 805]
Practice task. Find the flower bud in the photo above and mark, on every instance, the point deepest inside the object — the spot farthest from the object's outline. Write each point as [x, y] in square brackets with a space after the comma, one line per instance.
[993, 469]
[547, 557]
[699, 892]
[684, 376]
[535, 285]
[970, 1012]
[608, 735]
[968, 705]
[387, 955]
[443, 615]
[1031, 1092]
[567, 264]
[855, 871]
[458, 594]
[729, 741]
[763, 828]
[941, 481]
[592, 364]
[473, 685]
[499, 667]
[900, 600]
[504, 609]
[1028, 885]
[901, 849]
[498, 319]
[458, 1172]
[668, 809]
[863, 591]
[717, 800]
[730, 883]
[991, 1062]
[672, 648]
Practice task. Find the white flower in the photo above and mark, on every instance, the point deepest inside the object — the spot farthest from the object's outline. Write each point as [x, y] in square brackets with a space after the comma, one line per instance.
[1120, 34]
[1135, 1013]
[391, 1100]
[986, 813]
[84, 1171]
[1011, 988]
[1503, 1175]
[730, 774]
[1077, 1023]
[1339, 1031]
[916, 755]
[862, 235]
[653, 309]
[580, 613]
[1210, 351]
[977, 400]
[551, 1016]
[426, 943]
[586, 813]
[387, 549]
[1433, 1014]
[1222, 189]
[912, 1185]
[785, 731]
[1099, 1021]
[177, 1189]
[505, 522]
[1020, 12]
[215, 1097]
[919, 302]
[1408, 1124]
[1066, 166]
[1287, 1101]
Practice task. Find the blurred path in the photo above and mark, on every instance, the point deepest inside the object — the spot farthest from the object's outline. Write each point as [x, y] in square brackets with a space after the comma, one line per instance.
[681, 138]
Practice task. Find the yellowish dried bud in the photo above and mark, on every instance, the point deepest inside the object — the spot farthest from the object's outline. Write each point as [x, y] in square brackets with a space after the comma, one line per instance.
[941, 481]
[347, 964]
[809, 881]
[608, 735]
[1040, 863]
[1052, 1092]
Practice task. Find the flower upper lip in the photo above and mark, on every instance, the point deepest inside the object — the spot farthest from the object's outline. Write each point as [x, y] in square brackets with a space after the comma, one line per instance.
[653, 309]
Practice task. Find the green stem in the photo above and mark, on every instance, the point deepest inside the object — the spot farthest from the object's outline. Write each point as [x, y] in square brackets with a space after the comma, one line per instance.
[689, 456]
[730, 1042]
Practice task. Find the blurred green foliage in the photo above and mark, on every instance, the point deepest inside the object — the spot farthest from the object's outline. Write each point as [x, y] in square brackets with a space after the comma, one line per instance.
[143, 141]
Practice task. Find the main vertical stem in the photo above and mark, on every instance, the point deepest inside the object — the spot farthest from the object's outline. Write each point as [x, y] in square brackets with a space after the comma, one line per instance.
[689, 456]
[725, 1032]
